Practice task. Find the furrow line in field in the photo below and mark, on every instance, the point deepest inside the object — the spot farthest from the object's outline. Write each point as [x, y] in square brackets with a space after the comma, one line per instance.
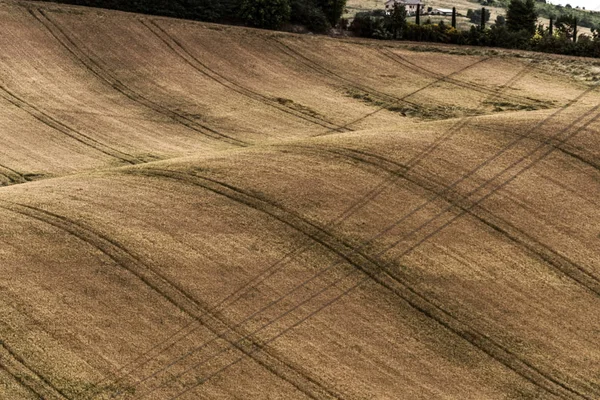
[180, 50]
[66, 130]
[560, 262]
[276, 266]
[316, 234]
[14, 177]
[407, 64]
[373, 270]
[315, 66]
[591, 163]
[166, 289]
[23, 373]
[110, 80]
[542, 379]
[19, 380]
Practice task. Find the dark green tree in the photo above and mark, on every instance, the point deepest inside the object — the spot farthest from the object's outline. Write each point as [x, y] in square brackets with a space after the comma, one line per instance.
[269, 14]
[454, 17]
[484, 17]
[397, 21]
[307, 13]
[333, 9]
[521, 16]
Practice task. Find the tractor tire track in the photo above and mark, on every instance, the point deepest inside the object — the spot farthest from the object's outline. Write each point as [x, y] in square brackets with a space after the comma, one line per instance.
[13, 177]
[541, 379]
[373, 270]
[110, 80]
[28, 377]
[179, 49]
[66, 130]
[273, 268]
[569, 153]
[377, 94]
[530, 372]
[559, 262]
[172, 293]
[321, 70]
[409, 65]
[73, 343]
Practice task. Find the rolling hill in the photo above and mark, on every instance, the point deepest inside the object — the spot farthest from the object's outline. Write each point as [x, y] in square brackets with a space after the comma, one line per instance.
[190, 210]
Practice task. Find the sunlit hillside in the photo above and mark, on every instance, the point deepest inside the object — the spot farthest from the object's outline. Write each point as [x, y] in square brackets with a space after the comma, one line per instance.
[197, 211]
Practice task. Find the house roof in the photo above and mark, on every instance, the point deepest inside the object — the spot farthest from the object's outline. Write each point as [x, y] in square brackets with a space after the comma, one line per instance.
[405, 2]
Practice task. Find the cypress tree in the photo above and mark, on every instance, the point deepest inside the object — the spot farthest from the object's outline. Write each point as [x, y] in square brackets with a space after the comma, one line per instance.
[454, 17]
[575, 30]
[483, 18]
[418, 19]
[551, 27]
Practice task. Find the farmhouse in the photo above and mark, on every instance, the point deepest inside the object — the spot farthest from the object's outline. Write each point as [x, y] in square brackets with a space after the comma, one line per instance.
[410, 5]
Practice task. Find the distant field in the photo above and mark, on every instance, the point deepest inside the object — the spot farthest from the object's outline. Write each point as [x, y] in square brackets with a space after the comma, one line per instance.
[200, 211]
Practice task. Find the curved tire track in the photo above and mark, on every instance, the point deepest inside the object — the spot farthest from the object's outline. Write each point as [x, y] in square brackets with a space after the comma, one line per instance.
[23, 373]
[110, 80]
[179, 49]
[581, 158]
[377, 94]
[172, 293]
[374, 271]
[56, 125]
[560, 262]
[407, 64]
[13, 177]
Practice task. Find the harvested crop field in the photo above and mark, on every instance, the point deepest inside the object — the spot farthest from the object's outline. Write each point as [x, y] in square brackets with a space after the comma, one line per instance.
[197, 211]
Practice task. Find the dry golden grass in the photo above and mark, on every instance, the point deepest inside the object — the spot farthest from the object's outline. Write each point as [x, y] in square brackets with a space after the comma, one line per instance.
[193, 211]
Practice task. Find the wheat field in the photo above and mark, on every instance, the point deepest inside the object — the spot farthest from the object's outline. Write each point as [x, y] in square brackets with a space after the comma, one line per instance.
[198, 211]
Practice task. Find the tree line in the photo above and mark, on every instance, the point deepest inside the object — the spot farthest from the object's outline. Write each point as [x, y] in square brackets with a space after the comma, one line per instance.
[317, 15]
[519, 29]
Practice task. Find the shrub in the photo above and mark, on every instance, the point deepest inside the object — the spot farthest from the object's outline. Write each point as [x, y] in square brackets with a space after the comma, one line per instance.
[332, 9]
[366, 24]
[270, 14]
[307, 13]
